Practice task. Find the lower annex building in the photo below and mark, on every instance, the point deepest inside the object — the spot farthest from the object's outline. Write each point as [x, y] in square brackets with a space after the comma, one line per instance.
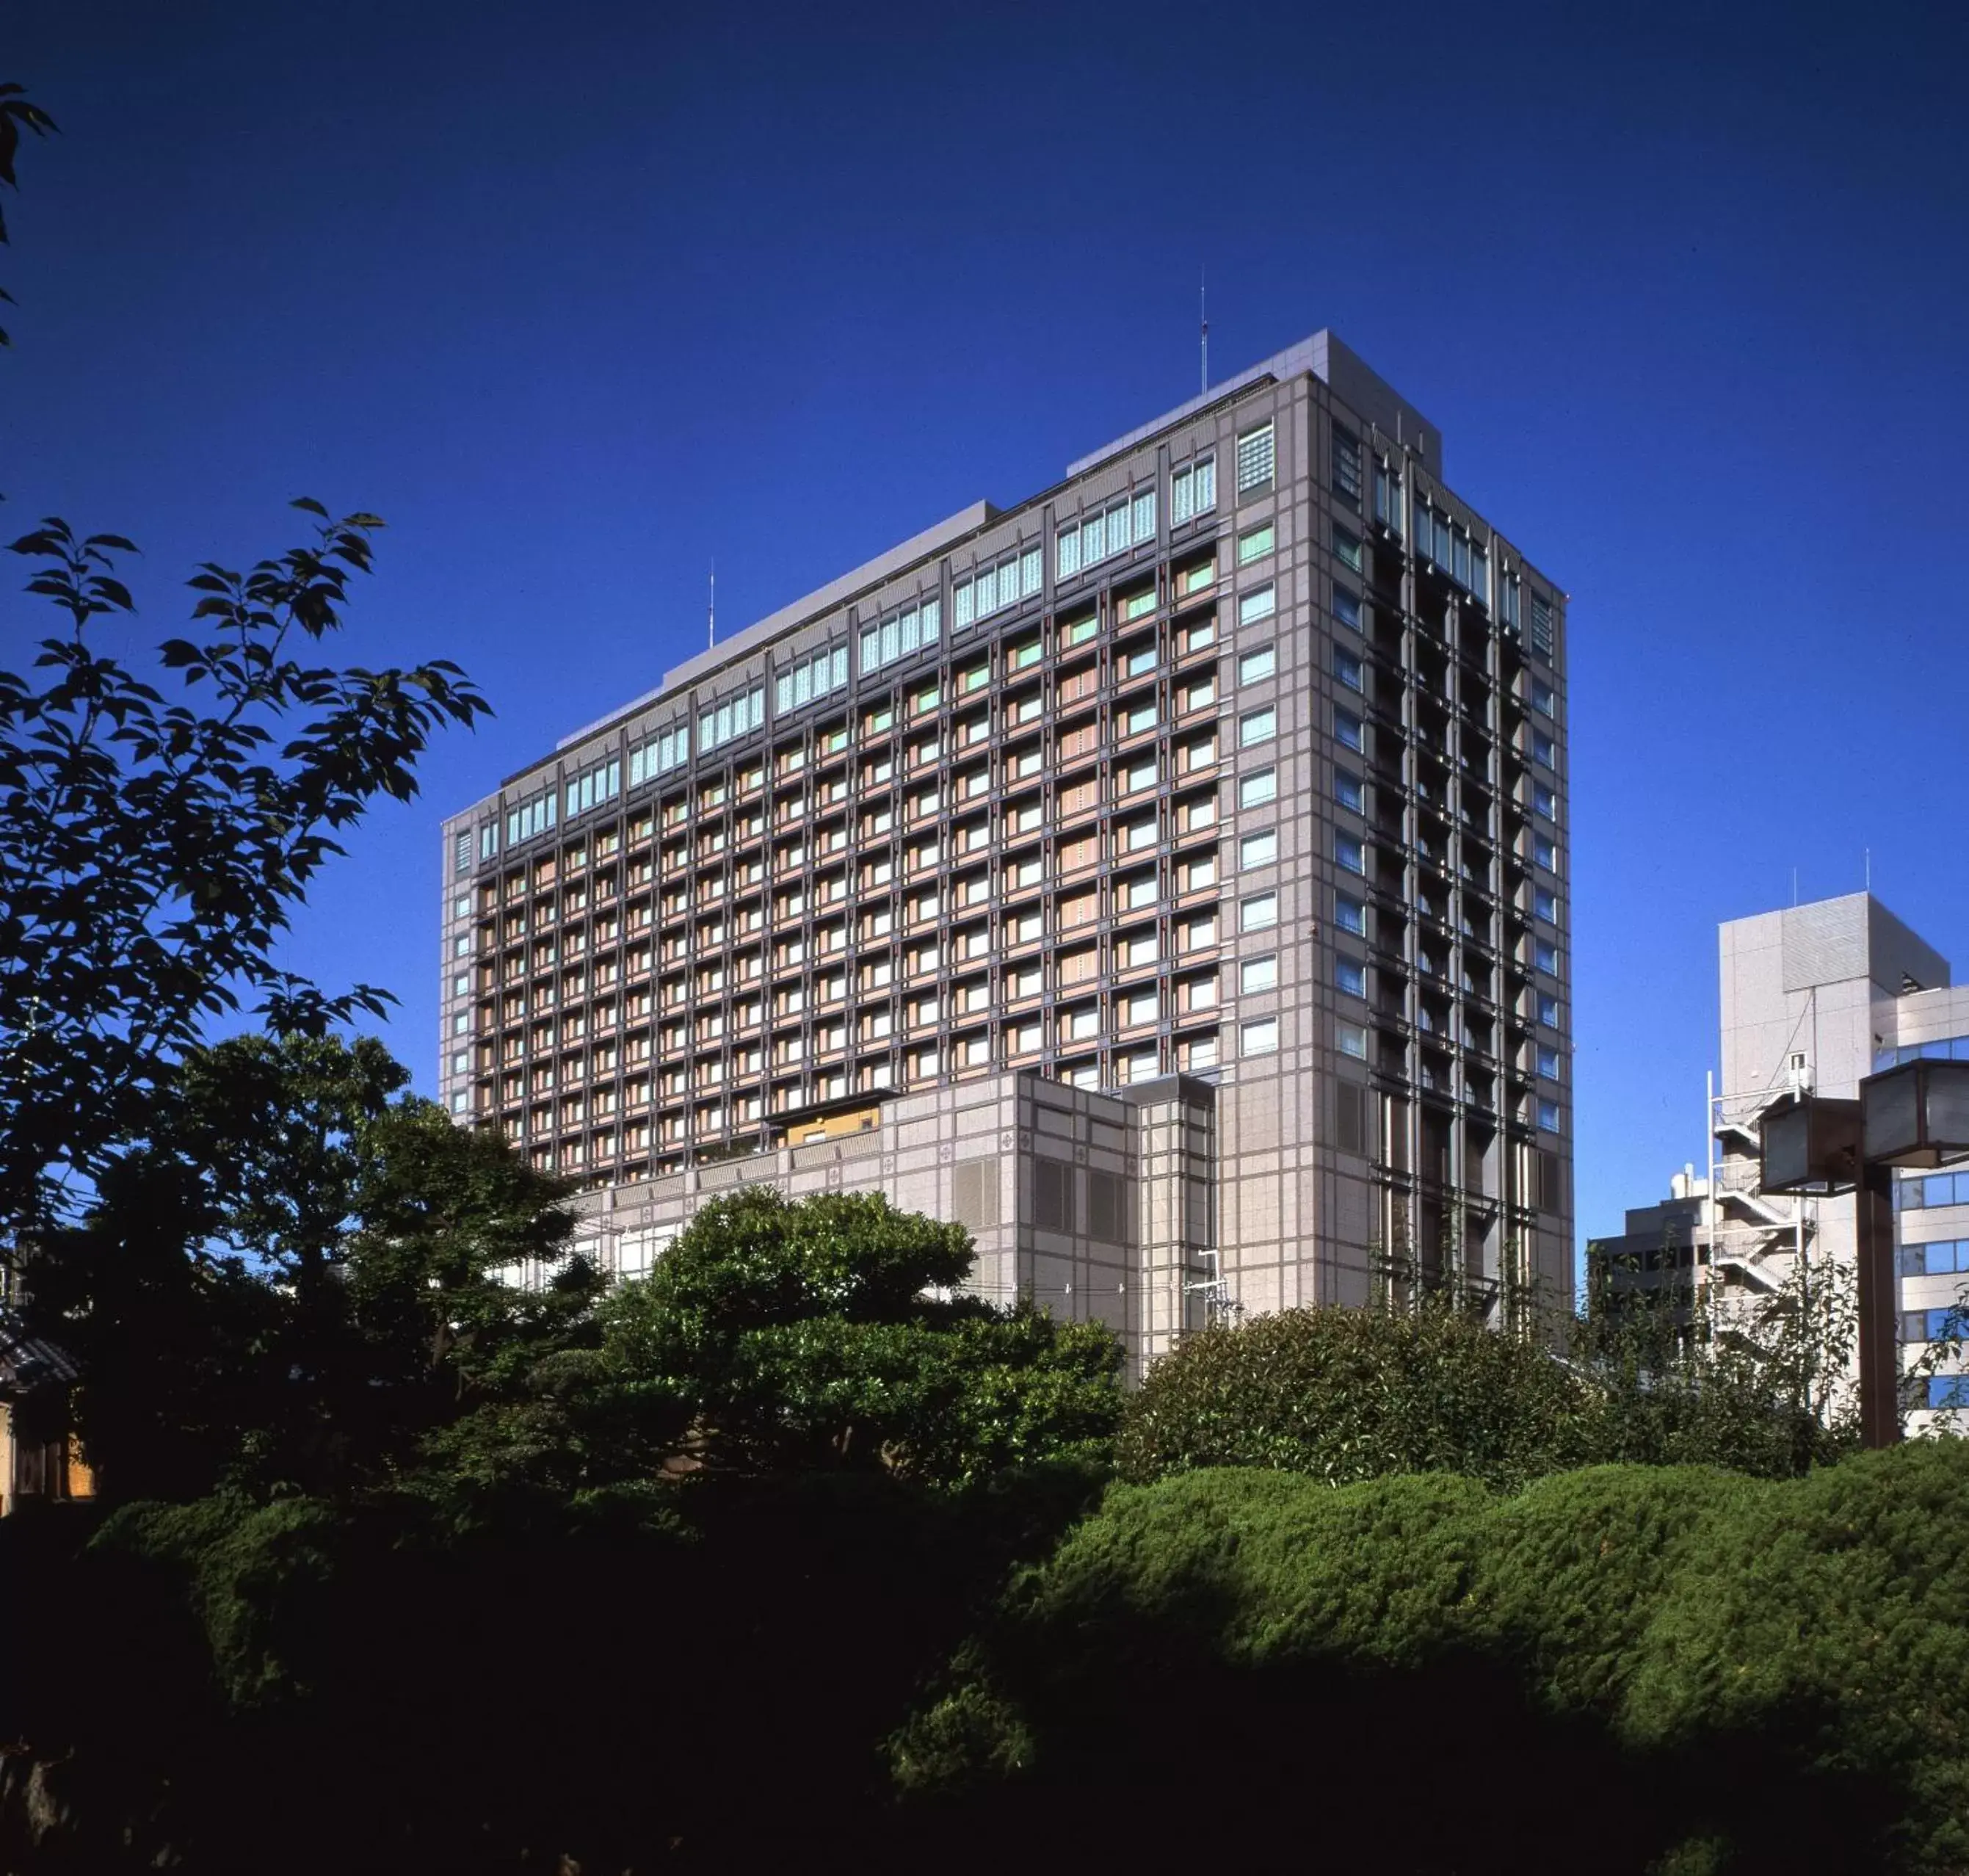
[1165, 877]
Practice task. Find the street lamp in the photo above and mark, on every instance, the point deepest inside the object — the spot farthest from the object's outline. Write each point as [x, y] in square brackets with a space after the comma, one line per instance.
[1916, 1116]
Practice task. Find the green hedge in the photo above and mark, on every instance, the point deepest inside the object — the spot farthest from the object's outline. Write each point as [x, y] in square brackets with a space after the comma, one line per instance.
[1623, 1669]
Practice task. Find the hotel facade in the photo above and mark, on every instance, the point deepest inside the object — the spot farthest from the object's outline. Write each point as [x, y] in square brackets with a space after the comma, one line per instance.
[1165, 876]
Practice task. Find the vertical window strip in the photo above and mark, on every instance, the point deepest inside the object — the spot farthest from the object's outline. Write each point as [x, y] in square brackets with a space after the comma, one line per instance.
[1127, 521]
[601, 784]
[811, 679]
[1018, 577]
[736, 716]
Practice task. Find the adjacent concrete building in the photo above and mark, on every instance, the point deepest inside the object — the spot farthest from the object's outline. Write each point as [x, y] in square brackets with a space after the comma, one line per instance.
[1814, 998]
[1199, 823]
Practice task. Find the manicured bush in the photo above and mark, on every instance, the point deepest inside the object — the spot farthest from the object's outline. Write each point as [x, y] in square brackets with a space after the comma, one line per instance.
[1624, 1669]
[1347, 1394]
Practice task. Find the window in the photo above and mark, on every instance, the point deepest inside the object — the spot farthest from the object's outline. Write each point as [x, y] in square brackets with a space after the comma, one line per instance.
[1548, 1063]
[1544, 955]
[1016, 576]
[1259, 1038]
[736, 716]
[1544, 853]
[1257, 974]
[1253, 606]
[1346, 607]
[1547, 1116]
[1346, 549]
[1255, 460]
[1388, 497]
[1544, 635]
[658, 755]
[901, 634]
[1348, 730]
[1254, 542]
[1347, 465]
[1253, 666]
[1126, 522]
[1257, 788]
[1542, 749]
[1256, 726]
[1548, 1012]
[1349, 670]
[1350, 914]
[1545, 803]
[1350, 977]
[1077, 632]
[1350, 1039]
[602, 783]
[1350, 855]
[1545, 904]
[532, 817]
[1192, 490]
[1542, 700]
[1347, 790]
[488, 840]
[1947, 1391]
[810, 680]
[1259, 913]
[462, 853]
[1258, 849]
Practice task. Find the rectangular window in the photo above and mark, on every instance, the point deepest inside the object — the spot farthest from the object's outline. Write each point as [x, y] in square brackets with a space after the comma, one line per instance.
[1548, 1064]
[1253, 666]
[1351, 1039]
[1258, 849]
[1253, 606]
[1346, 607]
[1258, 974]
[1542, 700]
[1346, 549]
[1349, 669]
[1348, 730]
[1347, 791]
[1548, 1012]
[461, 860]
[1545, 802]
[1544, 636]
[1254, 543]
[1387, 499]
[1349, 914]
[1350, 977]
[1066, 552]
[1545, 904]
[1547, 1116]
[1350, 855]
[1192, 490]
[1543, 750]
[1259, 913]
[1257, 788]
[1256, 726]
[1259, 1038]
[1544, 853]
[1544, 955]
[1255, 460]
[1347, 465]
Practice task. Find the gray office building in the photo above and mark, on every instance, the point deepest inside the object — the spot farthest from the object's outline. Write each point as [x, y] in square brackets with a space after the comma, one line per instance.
[1165, 876]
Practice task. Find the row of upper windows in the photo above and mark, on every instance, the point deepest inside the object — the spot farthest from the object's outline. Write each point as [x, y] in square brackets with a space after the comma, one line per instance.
[813, 678]
[1917, 1195]
[1953, 1048]
[1948, 1257]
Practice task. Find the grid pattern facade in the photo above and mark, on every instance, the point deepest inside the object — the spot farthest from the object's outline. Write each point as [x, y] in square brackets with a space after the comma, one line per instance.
[1240, 755]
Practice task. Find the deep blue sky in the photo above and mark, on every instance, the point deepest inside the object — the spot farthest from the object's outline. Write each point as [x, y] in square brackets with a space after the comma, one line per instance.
[578, 296]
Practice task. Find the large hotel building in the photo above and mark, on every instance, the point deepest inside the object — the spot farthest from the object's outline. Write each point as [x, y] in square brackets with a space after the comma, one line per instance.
[1165, 876]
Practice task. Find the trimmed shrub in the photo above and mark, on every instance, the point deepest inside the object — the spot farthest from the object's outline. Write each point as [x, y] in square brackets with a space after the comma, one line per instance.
[1626, 1669]
[1349, 1395]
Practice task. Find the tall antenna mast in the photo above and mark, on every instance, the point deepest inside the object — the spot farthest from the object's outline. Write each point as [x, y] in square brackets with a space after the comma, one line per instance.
[1203, 314]
[711, 611]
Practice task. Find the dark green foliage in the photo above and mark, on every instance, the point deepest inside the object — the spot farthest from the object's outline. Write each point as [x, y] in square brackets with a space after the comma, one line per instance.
[18, 112]
[1624, 1669]
[782, 1337]
[296, 1277]
[1347, 1394]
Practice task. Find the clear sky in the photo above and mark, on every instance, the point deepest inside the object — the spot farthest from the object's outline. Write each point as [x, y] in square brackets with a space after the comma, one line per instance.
[578, 296]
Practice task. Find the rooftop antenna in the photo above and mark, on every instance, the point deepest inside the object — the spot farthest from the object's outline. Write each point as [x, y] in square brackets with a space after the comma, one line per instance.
[1203, 314]
[1794, 885]
[711, 611]
[1869, 853]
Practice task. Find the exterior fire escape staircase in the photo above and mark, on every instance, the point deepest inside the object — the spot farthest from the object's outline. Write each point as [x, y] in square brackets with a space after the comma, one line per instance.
[1749, 1227]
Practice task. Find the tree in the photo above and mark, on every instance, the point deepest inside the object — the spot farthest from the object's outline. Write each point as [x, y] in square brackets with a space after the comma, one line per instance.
[298, 1272]
[151, 852]
[777, 1337]
[17, 113]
